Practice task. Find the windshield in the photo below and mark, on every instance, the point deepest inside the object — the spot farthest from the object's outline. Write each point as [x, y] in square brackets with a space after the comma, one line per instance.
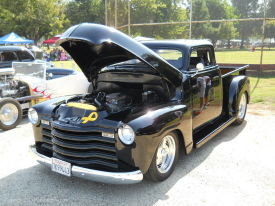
[8, 56]
[172, 56]
[25, 56]
[30, 69]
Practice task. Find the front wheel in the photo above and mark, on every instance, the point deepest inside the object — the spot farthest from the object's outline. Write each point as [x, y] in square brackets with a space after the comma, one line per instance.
[242, 106]
[165, 158]
[10, 113]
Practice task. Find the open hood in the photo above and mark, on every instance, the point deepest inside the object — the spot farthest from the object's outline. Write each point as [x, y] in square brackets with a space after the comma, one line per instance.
[94, 46]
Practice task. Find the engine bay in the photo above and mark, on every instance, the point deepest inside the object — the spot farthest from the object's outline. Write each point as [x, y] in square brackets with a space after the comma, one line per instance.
[10, 87]
[118, 101]
[127, 92]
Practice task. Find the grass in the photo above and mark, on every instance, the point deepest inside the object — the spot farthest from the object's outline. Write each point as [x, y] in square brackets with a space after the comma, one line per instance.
[225, 56]
[245, 56]
[237, 56]
[263, 90]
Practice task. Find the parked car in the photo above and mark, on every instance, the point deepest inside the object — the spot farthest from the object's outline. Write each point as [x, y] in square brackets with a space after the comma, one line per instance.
[28, 83]
[148, 101]
[259, 44]
[10, 54]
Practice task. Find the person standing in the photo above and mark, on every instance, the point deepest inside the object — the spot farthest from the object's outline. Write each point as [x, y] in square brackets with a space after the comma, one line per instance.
[201, 92]
[57, 56]
[52, 55]
[45, 55]
[207, 80]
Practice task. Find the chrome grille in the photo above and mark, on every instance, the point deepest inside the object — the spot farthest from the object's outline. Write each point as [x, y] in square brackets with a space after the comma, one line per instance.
[82, 148]
[46, 137]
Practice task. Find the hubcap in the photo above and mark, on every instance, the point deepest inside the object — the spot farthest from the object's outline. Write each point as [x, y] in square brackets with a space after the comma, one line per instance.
[166, 154]
[242, 106]
[8, 114]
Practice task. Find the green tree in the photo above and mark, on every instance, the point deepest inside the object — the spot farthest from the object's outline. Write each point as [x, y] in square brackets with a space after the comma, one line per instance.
[143, 11]
[270, 25]
[270, 30]
[154, 11]
[5, 20]
[219, 14]
[200, 12]
[34, 19]
[211, 10]
[122, 13]
[246, 9]
[170, 11]
[270, 8]
[79, 11]
[228, 30]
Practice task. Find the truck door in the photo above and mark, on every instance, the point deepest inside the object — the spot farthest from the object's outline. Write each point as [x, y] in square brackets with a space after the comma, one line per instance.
[206, 86]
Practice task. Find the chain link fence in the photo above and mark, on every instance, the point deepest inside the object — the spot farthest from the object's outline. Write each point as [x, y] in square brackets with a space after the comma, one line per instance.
[256, 50]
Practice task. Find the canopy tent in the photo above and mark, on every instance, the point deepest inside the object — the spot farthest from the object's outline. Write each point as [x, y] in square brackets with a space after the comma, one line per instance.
[52, 40]
[13, 38]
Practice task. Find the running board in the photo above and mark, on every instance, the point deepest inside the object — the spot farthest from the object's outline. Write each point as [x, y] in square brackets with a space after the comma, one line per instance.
[214, 132]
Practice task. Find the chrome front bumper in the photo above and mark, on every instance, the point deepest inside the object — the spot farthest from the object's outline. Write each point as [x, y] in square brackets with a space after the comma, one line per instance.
[94, 175]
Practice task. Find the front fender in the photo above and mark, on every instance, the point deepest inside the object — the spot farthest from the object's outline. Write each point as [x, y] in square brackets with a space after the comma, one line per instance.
[237, 86]
[150, 129]
[46, 109]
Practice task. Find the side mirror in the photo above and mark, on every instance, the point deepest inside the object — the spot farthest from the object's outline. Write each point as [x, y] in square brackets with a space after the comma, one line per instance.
[200, 66]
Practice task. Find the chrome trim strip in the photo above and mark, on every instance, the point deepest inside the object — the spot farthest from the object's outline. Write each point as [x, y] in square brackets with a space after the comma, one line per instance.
[236, 69]
[215, 132]
[90, 174]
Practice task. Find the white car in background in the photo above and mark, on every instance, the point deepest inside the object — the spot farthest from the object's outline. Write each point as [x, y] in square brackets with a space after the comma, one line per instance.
[29, 83]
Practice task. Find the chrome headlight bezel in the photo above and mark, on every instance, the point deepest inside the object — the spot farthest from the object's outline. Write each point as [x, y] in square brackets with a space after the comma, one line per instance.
[126, 134]
[33, 116]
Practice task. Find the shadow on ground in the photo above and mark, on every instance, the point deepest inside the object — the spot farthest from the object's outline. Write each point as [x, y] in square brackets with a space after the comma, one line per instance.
[38, 185]
[23, 122]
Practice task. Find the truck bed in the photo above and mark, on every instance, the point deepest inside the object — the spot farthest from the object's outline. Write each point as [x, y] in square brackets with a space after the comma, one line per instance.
[227, 71]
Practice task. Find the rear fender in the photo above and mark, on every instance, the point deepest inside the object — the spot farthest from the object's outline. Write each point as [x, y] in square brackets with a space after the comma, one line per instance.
[238, 86]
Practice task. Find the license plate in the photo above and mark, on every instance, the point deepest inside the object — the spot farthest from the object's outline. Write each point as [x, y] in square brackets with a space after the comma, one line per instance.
[61, 167]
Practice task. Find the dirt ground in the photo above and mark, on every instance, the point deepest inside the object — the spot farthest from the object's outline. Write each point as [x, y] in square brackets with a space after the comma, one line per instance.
[236, 167]
[261, 109]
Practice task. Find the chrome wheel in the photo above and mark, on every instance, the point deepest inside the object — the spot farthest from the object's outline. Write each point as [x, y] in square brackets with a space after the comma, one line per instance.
[166, 154]
[9, 114]
[242, 107]
[165, 158]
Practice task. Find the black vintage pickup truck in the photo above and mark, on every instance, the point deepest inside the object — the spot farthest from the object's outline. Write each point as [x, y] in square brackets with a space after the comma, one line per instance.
[146, 102]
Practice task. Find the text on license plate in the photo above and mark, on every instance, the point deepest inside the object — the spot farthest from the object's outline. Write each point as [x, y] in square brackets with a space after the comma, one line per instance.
[61, 167]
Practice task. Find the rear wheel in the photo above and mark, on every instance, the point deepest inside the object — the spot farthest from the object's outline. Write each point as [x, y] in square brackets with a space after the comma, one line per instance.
[242, 106]
[10, 113]
[165, 158]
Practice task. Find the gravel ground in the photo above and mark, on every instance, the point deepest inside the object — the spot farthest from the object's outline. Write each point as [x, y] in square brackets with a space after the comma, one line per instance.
[236, 167]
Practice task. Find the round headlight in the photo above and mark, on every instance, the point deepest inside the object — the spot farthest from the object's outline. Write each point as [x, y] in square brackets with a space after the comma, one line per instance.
[126, 134]
[33, 116]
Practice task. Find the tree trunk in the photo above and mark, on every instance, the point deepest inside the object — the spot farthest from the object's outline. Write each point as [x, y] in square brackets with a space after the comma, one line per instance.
[228, 43]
